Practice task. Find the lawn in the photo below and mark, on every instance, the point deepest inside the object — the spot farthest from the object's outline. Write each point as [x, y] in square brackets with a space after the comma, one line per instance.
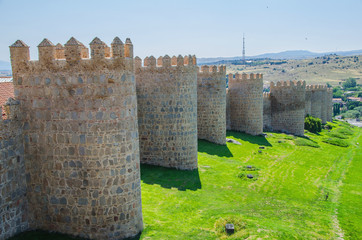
[301, 188]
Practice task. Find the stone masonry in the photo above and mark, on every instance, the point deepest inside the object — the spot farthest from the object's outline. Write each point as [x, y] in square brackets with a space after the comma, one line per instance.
[81, 142]
[321, 102]
[245, 100]
[167, 111]
[287, 101]
[211, 104]
[266, 112]
[13, 202]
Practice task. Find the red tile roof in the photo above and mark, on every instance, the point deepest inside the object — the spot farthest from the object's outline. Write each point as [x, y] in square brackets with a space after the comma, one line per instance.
[6, 91]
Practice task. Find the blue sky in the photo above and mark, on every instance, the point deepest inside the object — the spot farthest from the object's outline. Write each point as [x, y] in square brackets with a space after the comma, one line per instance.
[205, 28]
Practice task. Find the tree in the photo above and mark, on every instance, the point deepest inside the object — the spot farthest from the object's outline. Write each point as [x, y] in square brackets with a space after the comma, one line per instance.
[336, 109]
[349, 83]
[328, 85]
[312, 124]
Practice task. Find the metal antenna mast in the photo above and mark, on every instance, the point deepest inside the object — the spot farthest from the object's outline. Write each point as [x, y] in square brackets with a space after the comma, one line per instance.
[243, 49]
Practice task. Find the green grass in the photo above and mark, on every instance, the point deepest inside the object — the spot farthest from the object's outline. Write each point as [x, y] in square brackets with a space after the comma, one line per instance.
[336, 141]
[287, 199]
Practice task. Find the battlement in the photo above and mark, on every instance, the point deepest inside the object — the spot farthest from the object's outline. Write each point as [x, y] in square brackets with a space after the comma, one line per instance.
[287, 85]
[75, 54]
[164, 62]
[205, 69]
[266, 95]
[316, 87]
[244, 77]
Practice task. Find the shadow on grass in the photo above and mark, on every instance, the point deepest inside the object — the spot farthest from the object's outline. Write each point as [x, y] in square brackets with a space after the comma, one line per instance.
[43, 235]
[171, 178]
[260, 140]
[214, 149]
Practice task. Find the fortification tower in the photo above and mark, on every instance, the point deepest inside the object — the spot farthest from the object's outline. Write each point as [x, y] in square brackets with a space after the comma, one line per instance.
[266, 112]
[316, 101]
[324, 107]
[81, 139]
[308, 100]
[329, 104]
[228, 123]
[211, 104]
[246, 103]
[288, 107]
[167, 111]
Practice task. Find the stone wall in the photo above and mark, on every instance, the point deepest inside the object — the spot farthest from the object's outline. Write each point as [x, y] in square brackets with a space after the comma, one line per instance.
[228, 124]
[81, 138]
[266, 112]
[167, 111]
[308, 100]
[211, 104]
[316, 101]
[13, 201]
[246, 103]
[329, 105]
[288, 107]
[321, 102]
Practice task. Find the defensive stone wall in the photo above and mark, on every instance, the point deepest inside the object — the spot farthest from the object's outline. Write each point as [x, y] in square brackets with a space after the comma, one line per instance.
[308, 100]
[321, 102]
[167, 111]
[246, 103]
[13, 201]
[316, 100]
[288, 107]
[211, 104]
[266, 112]
[81, 138]
[228, 124]
[329, 104]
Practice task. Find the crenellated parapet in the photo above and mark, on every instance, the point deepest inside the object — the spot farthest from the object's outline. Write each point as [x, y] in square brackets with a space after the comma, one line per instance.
[73, 55]
[245, 96]
[211, 103]
[163, 62]
[288, 106]
[167, 111]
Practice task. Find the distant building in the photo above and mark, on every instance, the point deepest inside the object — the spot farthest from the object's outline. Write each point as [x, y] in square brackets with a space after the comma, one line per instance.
[354, 99]
[337, 100]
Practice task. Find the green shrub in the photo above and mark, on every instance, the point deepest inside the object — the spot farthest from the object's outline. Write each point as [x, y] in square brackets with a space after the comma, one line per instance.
[328, 126]
[336, 142]
[337, 135]
[306, 142]
[312, 124]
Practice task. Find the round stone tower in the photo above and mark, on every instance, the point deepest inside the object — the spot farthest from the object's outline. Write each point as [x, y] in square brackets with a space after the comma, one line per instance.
[211, 104]
[81, 138]
[167, 111]
[246, 103]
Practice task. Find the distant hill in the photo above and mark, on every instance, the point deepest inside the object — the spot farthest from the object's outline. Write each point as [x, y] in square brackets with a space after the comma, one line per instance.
[292, 54]
[5, 65]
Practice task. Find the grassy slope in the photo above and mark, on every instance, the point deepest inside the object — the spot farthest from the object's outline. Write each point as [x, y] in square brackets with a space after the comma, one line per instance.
[287, 201]
[350, 209]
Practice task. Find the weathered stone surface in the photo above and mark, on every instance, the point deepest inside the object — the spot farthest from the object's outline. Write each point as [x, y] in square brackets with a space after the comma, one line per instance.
[245, 103]
[211, 104]
[81, 140]
[167, 112]
[13, 201]
[287, 101]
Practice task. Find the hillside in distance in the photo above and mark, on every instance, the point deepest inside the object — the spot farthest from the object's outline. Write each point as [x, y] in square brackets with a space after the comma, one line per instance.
[330, 69]
[292, 54]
